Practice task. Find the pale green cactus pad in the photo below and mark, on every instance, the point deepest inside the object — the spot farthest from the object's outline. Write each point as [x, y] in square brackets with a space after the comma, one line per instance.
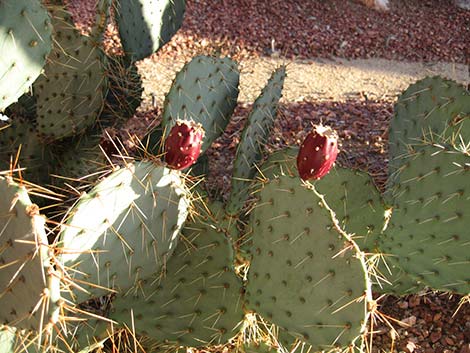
[29, 290]
[304, 275]
[124, 229]
[198, 301]
[25, 43]
[70, 94]
[254, 137]
[146, 25]
[428, 233]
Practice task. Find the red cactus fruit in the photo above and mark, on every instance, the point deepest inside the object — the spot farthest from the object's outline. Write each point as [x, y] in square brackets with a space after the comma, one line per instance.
[183, 144]
[318, 152]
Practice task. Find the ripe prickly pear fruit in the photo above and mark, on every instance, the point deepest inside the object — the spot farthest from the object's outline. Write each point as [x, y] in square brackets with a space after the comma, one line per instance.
[183, 144]
[318, 152]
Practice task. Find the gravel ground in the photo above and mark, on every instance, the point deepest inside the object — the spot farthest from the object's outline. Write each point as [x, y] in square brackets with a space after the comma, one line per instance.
[318, 39]
[414, 30]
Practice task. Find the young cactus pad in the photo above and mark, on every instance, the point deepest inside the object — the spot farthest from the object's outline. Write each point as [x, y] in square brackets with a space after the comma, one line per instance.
[254, 137]
[204, 91]
[430, 109]
[70, 94]
[428, 233]
[27, 286]
[304, 275]
[124, 229]
[25, 43]
[197, 301]
[146, 25]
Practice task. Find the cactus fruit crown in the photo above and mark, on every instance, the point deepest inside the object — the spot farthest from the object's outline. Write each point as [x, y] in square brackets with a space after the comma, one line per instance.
[183, 144]
[318, 153]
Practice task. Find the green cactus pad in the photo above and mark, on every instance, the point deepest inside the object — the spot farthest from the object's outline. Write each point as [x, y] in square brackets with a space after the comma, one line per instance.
[71, 92]
[357, 203]
[205, 91]
[282, 162]
[430, 109]
[398, 282]
[80, 158]
[26, 275]
[253, 140]
[24, 109]
[302, 277]
[85, 335]
[124, 229]
[197, 301]
[25, 43]
[428, 233]
[21, 136]
[146, 25]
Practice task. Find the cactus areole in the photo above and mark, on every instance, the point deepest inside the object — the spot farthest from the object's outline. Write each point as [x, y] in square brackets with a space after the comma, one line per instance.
[318, 152]
[183, 144]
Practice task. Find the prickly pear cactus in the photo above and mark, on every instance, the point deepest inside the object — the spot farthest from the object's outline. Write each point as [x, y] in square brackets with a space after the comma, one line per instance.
[282, 162]
[254, 137]
[70, 94]
[204, 91]
[356, 201]
[20, 147]
[428, 233]
[124, 229]
[25, 44]
[124, 94]
[197, 301]
[305, 276]
[433, 109]
[146, 25]
[29, 288]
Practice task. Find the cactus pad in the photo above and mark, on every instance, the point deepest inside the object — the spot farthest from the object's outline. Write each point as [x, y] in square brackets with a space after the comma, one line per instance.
[428, 232]
[146, 25]
[430, 109]
[25, 43]
[197, 301]
[124, 229]
[27, 286]
[205, 91]
[302, 276]
[21, 136]
[70, 94]
[254, 137]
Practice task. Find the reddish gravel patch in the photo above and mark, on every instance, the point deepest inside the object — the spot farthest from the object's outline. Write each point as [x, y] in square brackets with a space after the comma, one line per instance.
[413, 30]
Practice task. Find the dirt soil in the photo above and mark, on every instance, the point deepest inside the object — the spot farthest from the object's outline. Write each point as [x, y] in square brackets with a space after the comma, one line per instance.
[346, 66]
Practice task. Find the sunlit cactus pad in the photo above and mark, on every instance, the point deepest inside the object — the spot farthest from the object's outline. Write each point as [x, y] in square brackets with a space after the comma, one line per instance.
[25, 43]
[198, 301]
[25, 261]
[124, 229]
[146, 25]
